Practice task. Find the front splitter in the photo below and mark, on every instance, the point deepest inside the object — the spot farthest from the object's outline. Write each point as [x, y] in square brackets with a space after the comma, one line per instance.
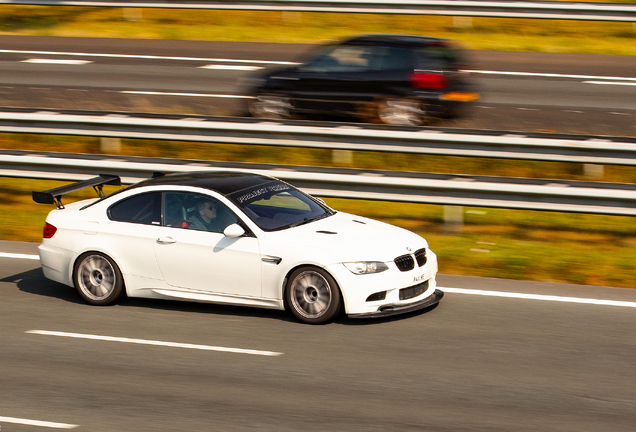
[396, 309]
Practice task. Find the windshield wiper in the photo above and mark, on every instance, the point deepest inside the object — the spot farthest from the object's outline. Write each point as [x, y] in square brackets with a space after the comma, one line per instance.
[307, 220]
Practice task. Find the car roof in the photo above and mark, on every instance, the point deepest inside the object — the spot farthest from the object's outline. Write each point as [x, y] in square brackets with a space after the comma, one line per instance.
[393, 39]
[223, 182]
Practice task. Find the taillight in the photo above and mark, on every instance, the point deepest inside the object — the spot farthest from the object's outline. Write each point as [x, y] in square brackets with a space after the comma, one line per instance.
[428, 80]
[49, 231]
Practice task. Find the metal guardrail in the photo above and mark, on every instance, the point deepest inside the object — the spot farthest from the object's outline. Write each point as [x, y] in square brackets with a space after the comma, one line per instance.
[458, 190]
[224, 130]
[506, 9]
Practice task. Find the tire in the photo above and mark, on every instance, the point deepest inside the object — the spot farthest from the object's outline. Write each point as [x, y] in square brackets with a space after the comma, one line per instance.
[270, 106]
[313, 295]
[402, 112]
[98, 279]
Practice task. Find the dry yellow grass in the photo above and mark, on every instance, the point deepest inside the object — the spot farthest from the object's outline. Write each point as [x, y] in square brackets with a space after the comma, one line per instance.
[314, 27]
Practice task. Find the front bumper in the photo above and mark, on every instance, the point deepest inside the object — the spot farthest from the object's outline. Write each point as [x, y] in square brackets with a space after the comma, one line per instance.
[388, 310]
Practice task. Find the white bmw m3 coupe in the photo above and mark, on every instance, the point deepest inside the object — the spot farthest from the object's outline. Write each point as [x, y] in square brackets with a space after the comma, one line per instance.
[237, 238]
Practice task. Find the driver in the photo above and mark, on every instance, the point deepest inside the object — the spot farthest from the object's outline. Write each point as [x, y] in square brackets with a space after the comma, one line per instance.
[205, 217]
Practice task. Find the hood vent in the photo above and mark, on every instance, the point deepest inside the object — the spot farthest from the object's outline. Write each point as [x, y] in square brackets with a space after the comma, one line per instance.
[360, 222]
[326, 232]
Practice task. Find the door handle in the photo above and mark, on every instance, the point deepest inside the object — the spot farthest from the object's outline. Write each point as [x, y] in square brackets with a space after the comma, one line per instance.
[166, 240]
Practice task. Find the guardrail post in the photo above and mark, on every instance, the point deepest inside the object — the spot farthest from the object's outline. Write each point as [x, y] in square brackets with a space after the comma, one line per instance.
[463, 22]
[593, 171]
[453, 219]
[133, 14]
[110, 145]
[292, 17]
[342, 157]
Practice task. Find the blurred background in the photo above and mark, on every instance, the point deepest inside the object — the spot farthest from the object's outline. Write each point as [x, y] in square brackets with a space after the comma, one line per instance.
[546, 345]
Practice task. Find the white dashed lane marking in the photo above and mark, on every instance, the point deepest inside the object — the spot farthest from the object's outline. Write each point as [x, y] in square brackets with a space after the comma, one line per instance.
[554, 75]
[19, 256]
[611, 83]
[272, 62]
[156, 343]
[152, 93]
[231, 67]
[142, 57]
[39, 423]
[57, 61]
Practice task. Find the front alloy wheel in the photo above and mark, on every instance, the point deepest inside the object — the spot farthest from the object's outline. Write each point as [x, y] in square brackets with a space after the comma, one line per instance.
[98, 279]
[313, 295]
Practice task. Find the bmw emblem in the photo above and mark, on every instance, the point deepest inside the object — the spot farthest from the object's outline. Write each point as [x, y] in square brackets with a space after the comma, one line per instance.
[408, 249]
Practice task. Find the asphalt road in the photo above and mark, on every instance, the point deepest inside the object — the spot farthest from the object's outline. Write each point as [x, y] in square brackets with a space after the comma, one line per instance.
[565, 93]
[474, 363]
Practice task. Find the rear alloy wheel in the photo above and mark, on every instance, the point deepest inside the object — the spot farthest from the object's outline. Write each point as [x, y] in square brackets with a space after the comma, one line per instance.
[313, 295]
[270, 106]
[402, 112]
[98, 279]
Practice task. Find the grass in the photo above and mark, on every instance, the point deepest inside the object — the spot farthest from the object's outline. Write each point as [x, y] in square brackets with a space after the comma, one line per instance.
[505, 34]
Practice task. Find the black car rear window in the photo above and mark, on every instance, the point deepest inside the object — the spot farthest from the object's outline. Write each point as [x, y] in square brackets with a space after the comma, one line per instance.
[437, 57]
[392, 58]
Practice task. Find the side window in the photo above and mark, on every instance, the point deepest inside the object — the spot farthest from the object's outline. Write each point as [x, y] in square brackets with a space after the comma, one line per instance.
[392, 58]
[342, 58]
[174, 209]
[142, 209]
[196, 212]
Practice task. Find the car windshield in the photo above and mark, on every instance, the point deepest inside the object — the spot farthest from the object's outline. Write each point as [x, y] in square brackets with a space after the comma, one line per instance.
[340, 58]
[277, 205]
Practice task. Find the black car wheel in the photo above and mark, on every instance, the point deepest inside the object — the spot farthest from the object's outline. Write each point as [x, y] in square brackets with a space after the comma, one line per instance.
[98, 279]
[270, 106]
[313, 295]
[402, 112]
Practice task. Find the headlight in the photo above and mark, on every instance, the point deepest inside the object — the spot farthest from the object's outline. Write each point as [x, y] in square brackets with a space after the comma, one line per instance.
[366, 267]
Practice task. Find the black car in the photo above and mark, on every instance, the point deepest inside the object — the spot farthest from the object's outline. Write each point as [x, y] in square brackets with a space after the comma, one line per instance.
[378, 78]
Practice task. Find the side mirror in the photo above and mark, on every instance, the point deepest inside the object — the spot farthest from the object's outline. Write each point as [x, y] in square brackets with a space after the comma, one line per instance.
[234, 230]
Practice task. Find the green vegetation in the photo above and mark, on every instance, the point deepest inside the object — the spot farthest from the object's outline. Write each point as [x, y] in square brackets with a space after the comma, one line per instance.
[314, 27]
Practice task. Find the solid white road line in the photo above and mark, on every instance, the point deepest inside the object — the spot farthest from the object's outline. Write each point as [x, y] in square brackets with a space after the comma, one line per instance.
[37, 423]
[57, 61]
[539, 297]
[152, 93]
[16, 255]
[156, 343]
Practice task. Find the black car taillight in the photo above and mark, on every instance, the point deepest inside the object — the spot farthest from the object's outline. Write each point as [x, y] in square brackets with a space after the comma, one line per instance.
[428, 80]
[49, 231]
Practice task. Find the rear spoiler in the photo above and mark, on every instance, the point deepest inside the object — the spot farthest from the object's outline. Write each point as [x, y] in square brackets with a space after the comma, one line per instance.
[54, 196]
